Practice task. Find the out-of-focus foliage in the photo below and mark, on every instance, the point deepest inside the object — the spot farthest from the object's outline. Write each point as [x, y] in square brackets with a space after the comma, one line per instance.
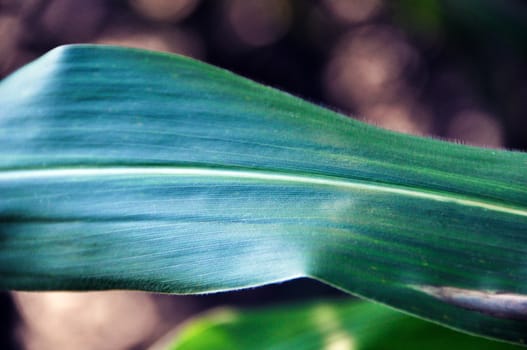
[322, 325]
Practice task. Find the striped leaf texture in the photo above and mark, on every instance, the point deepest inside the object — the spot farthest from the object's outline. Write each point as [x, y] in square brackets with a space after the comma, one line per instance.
[130, 169]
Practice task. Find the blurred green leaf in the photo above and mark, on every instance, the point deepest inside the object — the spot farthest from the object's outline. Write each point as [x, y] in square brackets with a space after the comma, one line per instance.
[423, 17]
[130, 169]
[335, 325]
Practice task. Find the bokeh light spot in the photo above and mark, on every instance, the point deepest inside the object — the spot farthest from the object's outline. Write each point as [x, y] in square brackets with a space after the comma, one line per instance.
[354, 11]
[259, 22]
[477, 128]
[165, 10]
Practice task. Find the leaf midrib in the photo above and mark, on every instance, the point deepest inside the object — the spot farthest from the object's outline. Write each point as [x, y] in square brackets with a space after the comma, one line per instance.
[262, 175]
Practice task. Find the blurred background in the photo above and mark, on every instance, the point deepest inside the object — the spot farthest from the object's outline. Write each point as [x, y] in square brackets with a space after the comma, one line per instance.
[455, 70]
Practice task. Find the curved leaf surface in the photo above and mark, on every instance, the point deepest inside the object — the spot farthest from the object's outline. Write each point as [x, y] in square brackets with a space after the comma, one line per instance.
[322, 325]
[123, 168]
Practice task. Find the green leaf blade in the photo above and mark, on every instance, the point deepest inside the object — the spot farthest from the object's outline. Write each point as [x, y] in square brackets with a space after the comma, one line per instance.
[130, 169]
[321, 325]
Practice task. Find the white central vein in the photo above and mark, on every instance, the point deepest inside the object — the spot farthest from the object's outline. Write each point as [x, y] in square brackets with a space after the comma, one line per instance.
[14, 175]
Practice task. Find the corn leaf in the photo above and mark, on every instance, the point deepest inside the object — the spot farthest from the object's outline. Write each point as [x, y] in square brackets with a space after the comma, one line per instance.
[322, 325]
[130, 169]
